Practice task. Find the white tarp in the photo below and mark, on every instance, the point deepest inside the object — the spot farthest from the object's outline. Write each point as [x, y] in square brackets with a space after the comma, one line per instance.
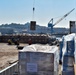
[67, 38]
[40, 48]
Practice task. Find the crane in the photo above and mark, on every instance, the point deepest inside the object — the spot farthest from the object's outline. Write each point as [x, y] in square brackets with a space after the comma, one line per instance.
[50, 23]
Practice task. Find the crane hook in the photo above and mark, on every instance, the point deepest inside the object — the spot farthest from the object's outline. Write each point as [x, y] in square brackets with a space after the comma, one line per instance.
[33, 9]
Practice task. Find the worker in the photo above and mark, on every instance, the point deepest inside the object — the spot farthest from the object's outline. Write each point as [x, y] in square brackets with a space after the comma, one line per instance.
[29, 41]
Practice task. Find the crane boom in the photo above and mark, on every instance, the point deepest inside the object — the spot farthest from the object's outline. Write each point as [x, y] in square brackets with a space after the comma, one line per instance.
[51, 20]
[63, 17]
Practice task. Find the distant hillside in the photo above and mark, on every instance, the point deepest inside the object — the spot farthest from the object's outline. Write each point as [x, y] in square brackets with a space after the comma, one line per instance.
[16, 26]
[22, 28]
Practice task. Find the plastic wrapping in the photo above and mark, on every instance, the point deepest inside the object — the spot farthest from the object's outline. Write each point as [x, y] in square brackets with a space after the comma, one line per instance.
[68, 54]
[39, 60]
[75, 50]
[68, 44]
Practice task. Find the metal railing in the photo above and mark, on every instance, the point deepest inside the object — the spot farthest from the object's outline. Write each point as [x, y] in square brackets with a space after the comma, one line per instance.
[11, 70]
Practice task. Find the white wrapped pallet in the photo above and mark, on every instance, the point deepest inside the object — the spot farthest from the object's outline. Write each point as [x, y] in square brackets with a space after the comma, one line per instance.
[39, 60]
[68, 44]
[75, 50]
[68, 54]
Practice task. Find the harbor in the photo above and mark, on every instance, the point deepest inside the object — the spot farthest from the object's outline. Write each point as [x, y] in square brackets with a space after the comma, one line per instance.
[37, 37]
[25, 54]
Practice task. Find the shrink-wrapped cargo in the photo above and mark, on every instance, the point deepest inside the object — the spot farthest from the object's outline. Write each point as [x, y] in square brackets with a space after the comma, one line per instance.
[39, 60]
[68, 54]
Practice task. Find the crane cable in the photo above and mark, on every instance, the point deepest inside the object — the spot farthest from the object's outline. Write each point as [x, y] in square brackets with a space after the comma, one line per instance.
[33, 8]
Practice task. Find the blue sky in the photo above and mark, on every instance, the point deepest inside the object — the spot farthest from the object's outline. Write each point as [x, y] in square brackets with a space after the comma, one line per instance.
[20, 11]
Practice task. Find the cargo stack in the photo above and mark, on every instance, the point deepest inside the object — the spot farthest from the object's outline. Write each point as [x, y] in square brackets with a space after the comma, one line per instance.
[39, 60]
[68, 65]
[68, 55]
[75, 50]
[60, 51]
[75, 57]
